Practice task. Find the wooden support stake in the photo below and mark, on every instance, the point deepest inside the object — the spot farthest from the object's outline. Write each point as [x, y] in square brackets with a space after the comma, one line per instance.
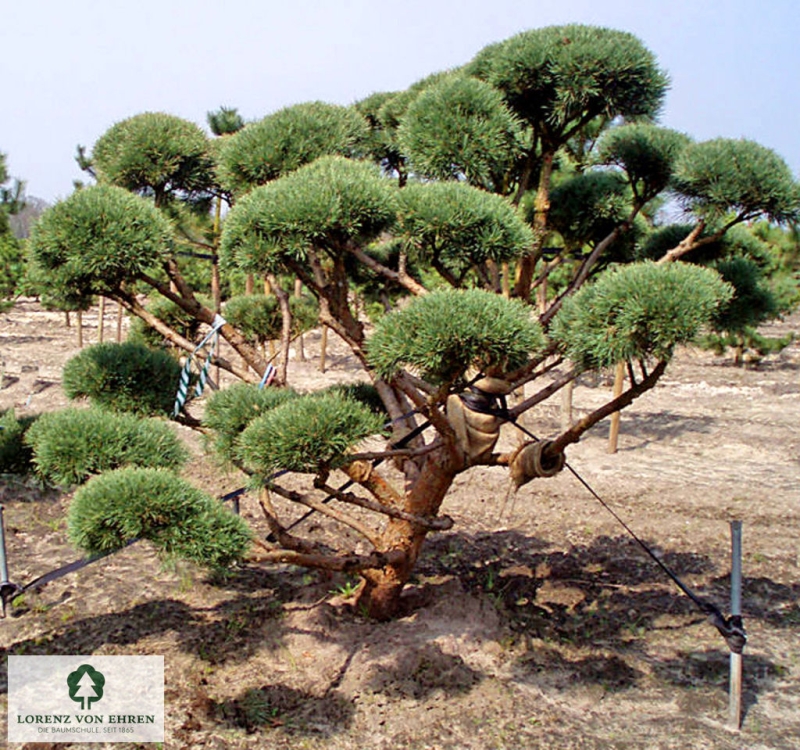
[301, 349]
[619, 382]
[101, 319]
[323, 348]
[79, 316]
[735, 690]
[119, 324]
[566, 405]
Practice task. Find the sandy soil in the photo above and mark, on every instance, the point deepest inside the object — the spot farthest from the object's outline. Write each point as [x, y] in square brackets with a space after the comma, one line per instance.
[536, 622]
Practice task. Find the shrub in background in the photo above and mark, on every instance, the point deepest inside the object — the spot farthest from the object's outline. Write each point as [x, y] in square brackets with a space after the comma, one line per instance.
[16, 457]
[71, 445]
[127, 377]
[258, 316]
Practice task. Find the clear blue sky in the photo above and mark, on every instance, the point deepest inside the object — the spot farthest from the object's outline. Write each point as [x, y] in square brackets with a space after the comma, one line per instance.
[72, 68]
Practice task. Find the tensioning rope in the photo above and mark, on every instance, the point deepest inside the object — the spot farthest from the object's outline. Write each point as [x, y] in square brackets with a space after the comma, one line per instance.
[10, 590]
[731, 628]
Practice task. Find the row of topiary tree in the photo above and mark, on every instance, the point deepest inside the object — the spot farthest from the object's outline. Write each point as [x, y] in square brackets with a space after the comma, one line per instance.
[501, 221]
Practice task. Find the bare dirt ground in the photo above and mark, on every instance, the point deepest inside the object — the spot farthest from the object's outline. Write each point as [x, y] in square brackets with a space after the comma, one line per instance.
[535, 623]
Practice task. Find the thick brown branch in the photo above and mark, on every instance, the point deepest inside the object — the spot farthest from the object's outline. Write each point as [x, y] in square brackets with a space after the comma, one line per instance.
[400, 276]
[690, 242]
[364, 473]
[279, 532]
[527, 264]
[684, 246]
[188, 302]
[445, 273]
[326, 510]
[439, 524]
[573, 434]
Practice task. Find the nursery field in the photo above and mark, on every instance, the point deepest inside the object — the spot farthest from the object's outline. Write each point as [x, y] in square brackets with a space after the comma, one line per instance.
[535, 622]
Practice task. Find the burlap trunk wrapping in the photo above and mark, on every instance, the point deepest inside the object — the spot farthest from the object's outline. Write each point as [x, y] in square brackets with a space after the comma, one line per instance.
[476, 433]
[529, 462]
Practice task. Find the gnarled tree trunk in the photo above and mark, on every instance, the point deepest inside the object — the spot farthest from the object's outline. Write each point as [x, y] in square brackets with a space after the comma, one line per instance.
[380, 591]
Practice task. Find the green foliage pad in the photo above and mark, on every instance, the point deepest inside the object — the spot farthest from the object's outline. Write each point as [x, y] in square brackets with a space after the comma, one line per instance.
[638, 311]
[71, 445]
[155, 504]
[308, 434]
[128, 377]
[445, 333]
[230, 411]
[461, 128]
[288, 139]
[97, 238]
[326, 204]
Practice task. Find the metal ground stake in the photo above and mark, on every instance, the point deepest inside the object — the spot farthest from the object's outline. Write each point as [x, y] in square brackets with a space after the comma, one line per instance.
[3, 561]
[735, 691]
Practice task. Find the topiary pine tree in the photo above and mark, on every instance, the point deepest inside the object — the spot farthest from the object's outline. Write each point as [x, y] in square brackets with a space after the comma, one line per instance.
[11, 255]
[432, 223]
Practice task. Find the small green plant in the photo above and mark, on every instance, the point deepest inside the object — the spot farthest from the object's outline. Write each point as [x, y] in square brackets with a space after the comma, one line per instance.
[255, 708]
[72, 444]
[127, 377]
[346, 590]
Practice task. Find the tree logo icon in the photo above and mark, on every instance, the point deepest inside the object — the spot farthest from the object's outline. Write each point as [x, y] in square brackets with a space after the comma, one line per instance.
[86, 685]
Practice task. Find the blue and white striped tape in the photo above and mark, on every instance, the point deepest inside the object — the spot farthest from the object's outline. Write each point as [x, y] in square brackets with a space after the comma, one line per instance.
[186, 374]
[269, 374]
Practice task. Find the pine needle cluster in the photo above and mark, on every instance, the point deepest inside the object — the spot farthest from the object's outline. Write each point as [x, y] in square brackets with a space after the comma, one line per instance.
[307, 434]
[443, 334]
[638, 311]
[155, 504]
[230, 411]
[71, 445]
[126, 377]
